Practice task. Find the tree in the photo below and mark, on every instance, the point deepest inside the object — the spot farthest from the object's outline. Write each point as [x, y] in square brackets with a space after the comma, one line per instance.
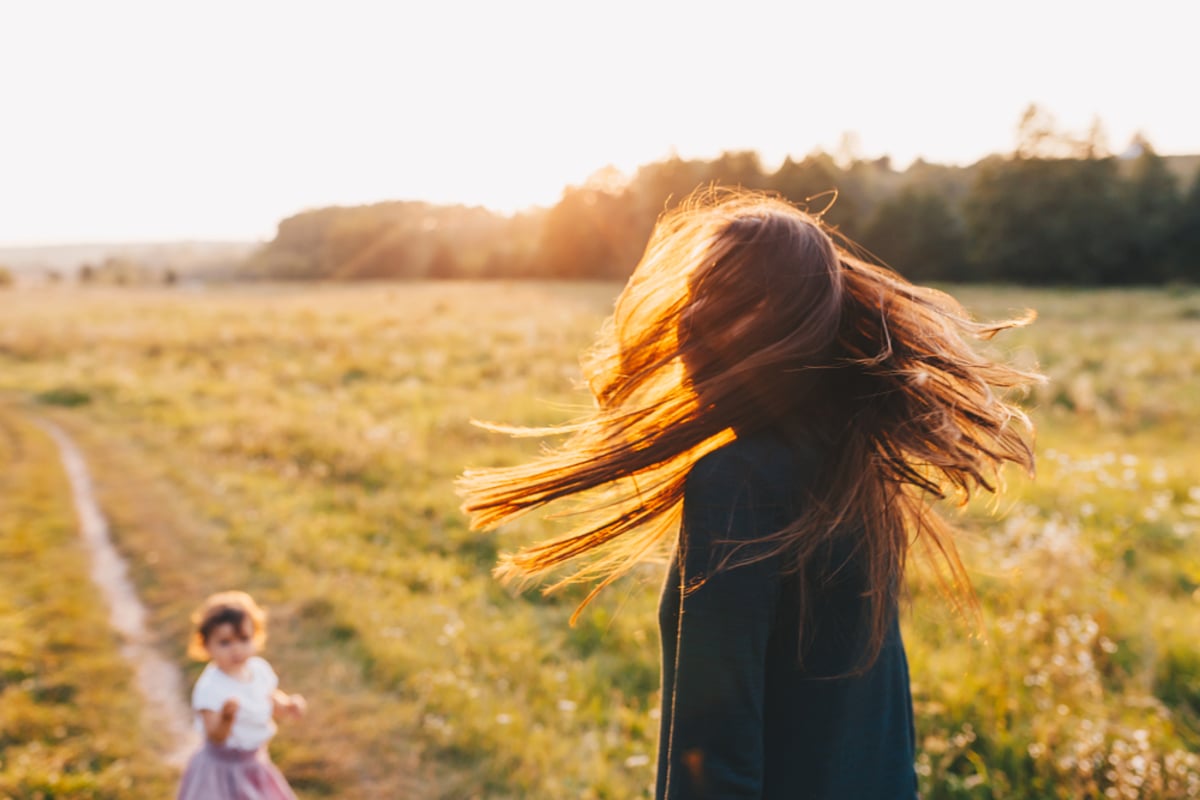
[587, 236]
[443, 264]
[1035, 133]
[1152, 194]
[1095, 144]
[296, 251]
[663, 183]
[389, 255]
[1038, 136]
[1059, 210]
[917, 234]
[1186, 235]
[816, 182]
[741, 168]
[1050, 221]
[849, 149]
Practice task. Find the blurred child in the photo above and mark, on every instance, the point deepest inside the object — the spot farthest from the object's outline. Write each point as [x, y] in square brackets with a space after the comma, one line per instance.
[236, 700]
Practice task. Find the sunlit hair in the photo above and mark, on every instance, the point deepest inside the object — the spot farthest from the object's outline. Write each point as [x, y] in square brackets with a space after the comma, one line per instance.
[744, 314]
[232, 608]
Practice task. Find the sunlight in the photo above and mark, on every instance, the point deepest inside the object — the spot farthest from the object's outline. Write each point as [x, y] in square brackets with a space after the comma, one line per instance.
[143, 133]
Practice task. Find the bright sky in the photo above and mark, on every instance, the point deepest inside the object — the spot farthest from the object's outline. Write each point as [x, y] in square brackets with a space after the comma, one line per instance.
[159, 120]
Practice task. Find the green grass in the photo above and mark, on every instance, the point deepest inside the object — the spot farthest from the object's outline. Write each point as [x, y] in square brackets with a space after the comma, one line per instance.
[69, 711]
[301, 443]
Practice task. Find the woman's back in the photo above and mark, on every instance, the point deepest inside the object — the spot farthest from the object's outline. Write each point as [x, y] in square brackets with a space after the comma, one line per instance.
[741, 716]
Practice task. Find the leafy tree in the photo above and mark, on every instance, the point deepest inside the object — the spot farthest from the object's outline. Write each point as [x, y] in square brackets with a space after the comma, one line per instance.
[367, 242]
[917, 234]
[385, 254]
[953, 184]
[815, 183]
[742, 168]
[443, 264]
[586, 235]
[296, 251]
[664, 183]
[1186, 235]
[1058, 210]
[1038, 137]
[1154, 206]
[1050, 221]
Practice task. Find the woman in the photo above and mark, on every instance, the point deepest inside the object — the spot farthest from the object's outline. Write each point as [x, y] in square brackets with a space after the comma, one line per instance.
[783, 413]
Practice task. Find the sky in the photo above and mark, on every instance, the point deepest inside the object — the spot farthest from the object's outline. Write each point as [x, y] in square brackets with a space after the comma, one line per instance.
[153, 121]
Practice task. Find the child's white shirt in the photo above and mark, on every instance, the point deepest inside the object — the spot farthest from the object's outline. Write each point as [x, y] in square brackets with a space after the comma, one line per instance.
[253, 726]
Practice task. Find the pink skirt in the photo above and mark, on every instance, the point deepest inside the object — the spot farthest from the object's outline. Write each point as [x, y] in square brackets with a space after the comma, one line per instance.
[223, 773]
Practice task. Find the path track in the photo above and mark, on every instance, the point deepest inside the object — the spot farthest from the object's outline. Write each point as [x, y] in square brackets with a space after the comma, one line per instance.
[158, 679]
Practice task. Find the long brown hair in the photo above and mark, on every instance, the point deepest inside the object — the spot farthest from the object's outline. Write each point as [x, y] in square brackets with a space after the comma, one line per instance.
[745, 313]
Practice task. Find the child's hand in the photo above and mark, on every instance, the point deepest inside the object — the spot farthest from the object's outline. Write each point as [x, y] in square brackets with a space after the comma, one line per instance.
[297, 706]
[218, 724]
[289, 705]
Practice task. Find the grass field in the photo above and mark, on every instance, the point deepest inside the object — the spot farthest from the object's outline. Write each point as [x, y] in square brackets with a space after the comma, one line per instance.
[70, 717]
[301, 443]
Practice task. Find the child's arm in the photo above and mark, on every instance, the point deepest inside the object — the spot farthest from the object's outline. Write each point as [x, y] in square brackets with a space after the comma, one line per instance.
[218, 724]
[288, 705]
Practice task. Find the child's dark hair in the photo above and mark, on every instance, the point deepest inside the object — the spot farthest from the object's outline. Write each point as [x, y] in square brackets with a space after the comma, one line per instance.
[232, 608]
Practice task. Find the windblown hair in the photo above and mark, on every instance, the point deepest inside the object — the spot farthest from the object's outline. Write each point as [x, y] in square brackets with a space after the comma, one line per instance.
[743, 314]
[233, 608]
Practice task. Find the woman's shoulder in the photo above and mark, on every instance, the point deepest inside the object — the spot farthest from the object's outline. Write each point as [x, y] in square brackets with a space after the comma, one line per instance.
[761, 459]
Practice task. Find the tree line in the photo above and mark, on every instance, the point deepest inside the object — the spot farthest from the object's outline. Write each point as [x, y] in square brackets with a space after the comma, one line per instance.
[1058, 210]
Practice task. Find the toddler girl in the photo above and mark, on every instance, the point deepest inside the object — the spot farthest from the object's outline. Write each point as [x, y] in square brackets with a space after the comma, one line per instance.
[236, 699]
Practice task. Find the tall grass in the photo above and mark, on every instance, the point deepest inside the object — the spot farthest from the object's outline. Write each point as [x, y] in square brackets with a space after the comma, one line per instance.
[301, 442]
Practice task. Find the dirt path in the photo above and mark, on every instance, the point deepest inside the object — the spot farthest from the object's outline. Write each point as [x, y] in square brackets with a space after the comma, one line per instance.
[158, 679]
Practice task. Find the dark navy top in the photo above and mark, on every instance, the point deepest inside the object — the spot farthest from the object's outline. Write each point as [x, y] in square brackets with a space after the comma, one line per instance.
[740, 717]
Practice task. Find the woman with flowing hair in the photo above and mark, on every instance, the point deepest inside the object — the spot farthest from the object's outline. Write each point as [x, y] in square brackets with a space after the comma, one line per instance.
[777, 414]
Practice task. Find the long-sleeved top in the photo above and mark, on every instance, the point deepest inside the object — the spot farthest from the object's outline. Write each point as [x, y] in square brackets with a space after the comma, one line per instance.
[741, 718]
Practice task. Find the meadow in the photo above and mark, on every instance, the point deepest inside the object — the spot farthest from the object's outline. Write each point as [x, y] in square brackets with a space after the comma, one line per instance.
[301, 442]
